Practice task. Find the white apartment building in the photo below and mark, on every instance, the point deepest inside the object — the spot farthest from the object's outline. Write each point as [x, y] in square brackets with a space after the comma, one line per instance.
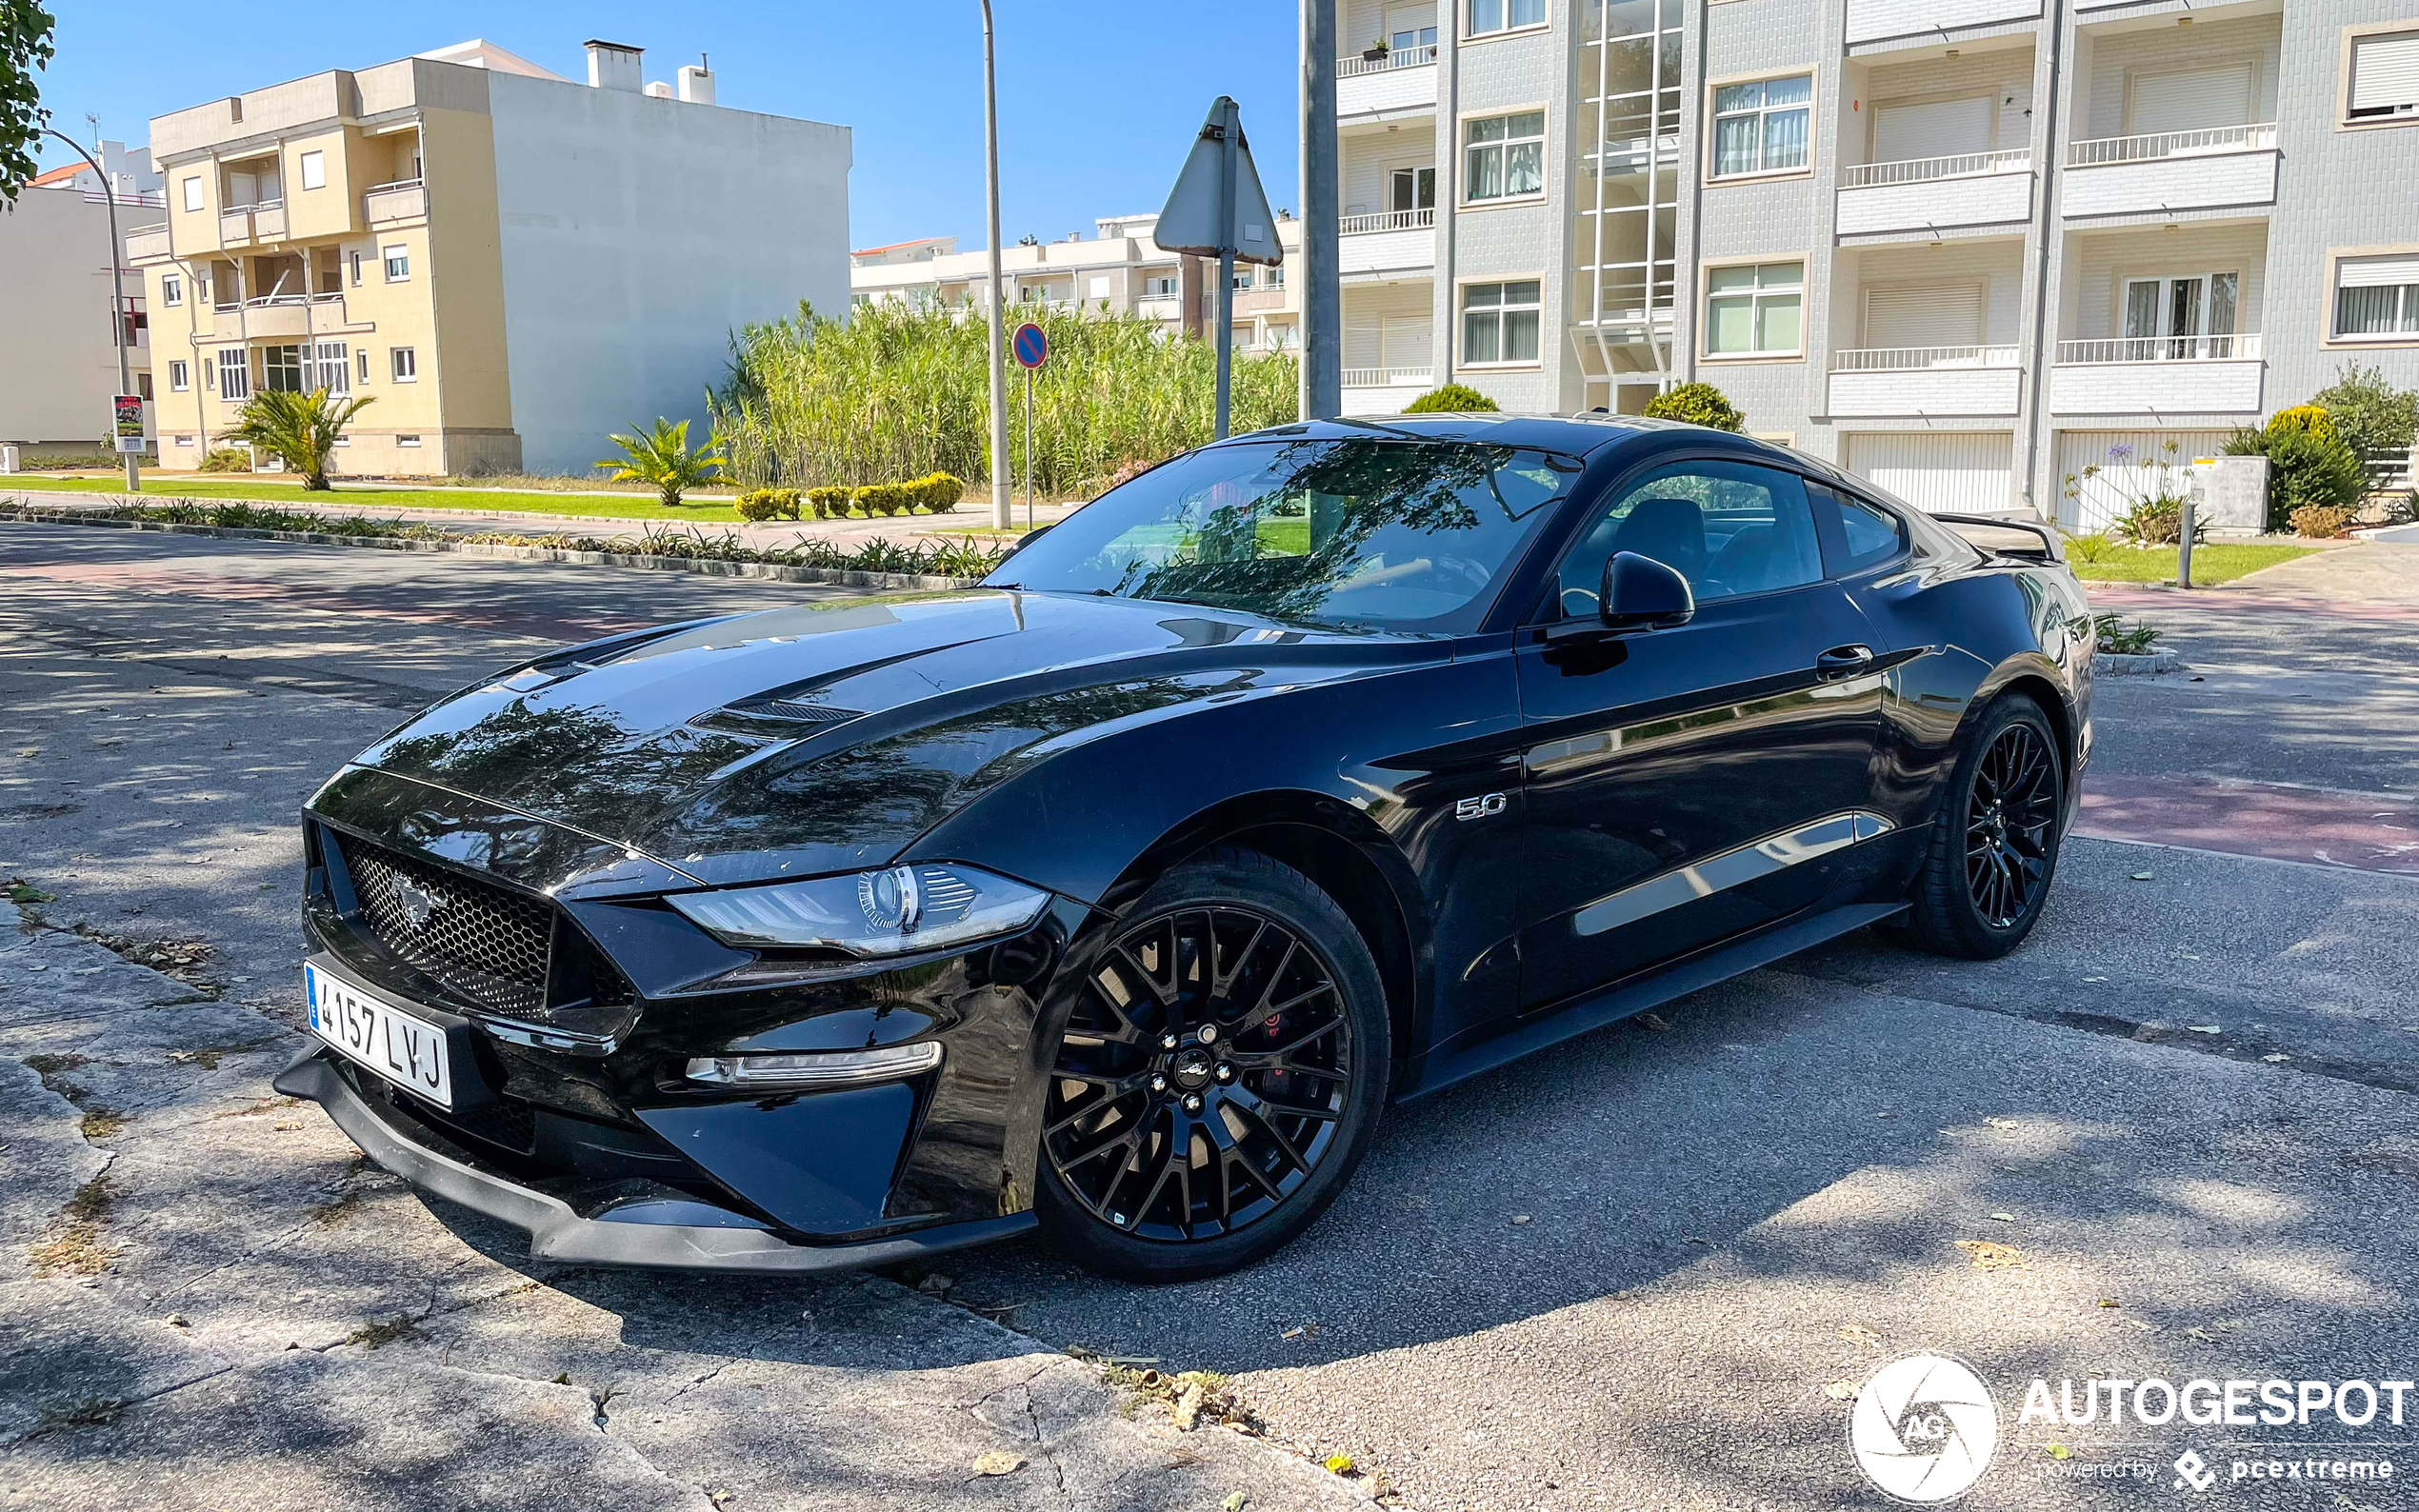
[62, 373]
[1963, 246]
[1116, 271]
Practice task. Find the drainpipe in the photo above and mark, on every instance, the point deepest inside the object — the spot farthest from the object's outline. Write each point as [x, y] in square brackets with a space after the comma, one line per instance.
[1444, 317]
[2045, 225]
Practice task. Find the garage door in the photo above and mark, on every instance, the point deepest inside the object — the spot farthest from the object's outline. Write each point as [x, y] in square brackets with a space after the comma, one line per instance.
[2127, 466]
[1943, 471]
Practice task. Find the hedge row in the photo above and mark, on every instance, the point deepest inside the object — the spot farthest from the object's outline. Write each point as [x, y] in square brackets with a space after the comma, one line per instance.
[937, 493]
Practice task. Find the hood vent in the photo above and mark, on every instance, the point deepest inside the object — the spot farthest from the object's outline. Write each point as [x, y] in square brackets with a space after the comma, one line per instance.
[789, 711]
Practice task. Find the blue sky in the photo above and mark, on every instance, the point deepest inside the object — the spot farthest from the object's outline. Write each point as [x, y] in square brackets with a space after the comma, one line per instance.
[1098, 101]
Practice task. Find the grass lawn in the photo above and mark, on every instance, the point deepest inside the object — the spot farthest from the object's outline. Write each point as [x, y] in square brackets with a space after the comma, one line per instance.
[2212, 563]
[637, 506]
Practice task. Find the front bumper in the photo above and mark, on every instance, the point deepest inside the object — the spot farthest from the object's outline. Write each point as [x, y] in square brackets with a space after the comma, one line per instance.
[662, 1229]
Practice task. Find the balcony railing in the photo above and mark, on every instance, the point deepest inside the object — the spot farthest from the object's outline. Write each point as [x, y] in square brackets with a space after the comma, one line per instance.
[1924, 169]
[1388, 221]
[401, 200]
[1385, 377]
[2160, 349]
[398, 183]
[1355, 66]
[2172, 144]
[1906, 359]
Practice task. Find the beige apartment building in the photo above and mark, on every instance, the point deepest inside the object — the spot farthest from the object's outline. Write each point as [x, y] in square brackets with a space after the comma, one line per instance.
[511, 265]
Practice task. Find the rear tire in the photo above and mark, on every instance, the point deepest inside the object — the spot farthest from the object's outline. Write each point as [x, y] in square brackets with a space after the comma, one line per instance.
[1219, 1077]
[1994, 845]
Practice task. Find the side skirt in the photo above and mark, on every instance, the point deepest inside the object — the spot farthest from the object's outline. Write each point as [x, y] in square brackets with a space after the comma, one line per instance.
[1633, 997]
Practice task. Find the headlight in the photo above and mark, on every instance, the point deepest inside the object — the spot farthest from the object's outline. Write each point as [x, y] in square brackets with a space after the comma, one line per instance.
[871, 913]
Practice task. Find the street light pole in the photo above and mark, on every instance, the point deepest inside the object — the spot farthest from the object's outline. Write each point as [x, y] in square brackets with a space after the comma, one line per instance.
[1003, 515]
[1322, 297]
[117, 301]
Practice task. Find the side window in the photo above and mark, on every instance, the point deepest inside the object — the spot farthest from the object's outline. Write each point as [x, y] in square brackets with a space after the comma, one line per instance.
[1870, 535]
[1729, 527]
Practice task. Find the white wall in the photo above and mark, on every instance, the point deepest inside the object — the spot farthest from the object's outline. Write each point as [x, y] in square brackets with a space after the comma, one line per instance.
[54, 318]
[638, 235]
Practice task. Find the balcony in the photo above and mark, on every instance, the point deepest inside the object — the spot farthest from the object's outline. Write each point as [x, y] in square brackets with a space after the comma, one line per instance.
[387, 204]
[147, 243]
[1934, 194]
[275, 317]
[2157, 376]
[1382, 390]
[1390, 242]
[1914, 23]
[264, 221]
[2219, 168]
[1404, 79]
[1920, 381]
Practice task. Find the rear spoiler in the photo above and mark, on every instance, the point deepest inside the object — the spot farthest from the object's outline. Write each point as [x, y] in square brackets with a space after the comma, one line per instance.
[2007, 535]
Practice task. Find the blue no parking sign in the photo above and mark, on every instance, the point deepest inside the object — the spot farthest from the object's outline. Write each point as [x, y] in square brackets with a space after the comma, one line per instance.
[1032, 347]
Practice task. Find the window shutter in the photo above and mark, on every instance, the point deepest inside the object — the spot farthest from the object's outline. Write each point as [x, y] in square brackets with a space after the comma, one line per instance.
[1903, 133]
[2384, 71]
[1941, 316]
[2377, 273]
[2194, 100]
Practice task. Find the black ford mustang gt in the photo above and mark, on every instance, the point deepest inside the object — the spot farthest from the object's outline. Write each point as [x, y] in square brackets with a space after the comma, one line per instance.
[1320, 767]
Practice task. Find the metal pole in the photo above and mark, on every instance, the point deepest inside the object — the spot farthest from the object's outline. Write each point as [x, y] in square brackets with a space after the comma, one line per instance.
[118, 303]
[1230, 136]
[1322, 296]
[1003, 484]
[2183, 544]
[1028, 451]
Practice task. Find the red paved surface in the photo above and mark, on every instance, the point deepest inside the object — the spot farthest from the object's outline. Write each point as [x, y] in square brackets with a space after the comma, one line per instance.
[2318, 826]
[2244, 601]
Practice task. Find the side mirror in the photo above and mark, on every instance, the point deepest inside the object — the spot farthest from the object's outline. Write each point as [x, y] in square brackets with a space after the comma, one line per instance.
[1641, 593]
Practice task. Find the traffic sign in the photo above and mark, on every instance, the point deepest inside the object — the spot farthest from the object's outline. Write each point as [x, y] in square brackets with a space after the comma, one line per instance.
[1031, 346]
[1216, 207]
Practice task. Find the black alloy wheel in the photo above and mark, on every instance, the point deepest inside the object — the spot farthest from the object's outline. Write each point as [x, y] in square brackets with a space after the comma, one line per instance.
[1216, 1084]
[1995, 849]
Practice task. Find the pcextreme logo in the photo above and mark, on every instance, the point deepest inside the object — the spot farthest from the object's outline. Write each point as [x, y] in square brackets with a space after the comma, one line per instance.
[1923, 1429]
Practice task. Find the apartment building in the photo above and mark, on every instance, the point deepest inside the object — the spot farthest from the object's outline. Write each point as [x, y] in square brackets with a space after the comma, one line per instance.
[1117, 270]
[56, 302]
[513, 264]
[1965, 248]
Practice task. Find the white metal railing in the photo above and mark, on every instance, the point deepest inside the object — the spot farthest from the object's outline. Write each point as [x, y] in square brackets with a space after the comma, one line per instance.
[144, 199]
[1925, 169]
[1914, 359]
[1384, 377]
[398, 183]
[1387, 221]
[2172, 144]
[1399, 58]
[2160, 349]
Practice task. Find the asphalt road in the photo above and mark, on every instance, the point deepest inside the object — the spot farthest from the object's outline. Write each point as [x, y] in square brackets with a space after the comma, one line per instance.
[1630, 1273]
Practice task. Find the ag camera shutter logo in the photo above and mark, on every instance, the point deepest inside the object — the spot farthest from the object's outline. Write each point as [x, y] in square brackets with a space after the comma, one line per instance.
[1923, 1429]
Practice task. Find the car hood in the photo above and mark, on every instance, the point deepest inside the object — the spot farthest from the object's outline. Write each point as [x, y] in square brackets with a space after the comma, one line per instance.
[827, 737]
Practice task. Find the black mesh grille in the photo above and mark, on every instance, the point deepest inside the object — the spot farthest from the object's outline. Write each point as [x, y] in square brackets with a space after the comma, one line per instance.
[507, 1122]
[486, 943]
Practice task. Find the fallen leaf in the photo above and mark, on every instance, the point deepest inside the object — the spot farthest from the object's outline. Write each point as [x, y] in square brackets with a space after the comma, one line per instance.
[1989, 1256]
[999, 1461]
[1520, 1218]
[1840, 1390]
[2139, 1323]
[2207, 1028]
[1859, 1334]
[2141, 876]
[2002, 1218]
[2057, 1451]
[2110, 1302]
[1656, 1023]
[1291, 1333]
[1338, 1463]
[1235, 1502]
[2276, 1059]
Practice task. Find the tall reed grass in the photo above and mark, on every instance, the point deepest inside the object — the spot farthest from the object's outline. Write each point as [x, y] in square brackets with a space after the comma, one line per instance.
[895, 393]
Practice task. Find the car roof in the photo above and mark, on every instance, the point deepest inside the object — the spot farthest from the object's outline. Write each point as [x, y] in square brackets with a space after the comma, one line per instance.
[1577, 435]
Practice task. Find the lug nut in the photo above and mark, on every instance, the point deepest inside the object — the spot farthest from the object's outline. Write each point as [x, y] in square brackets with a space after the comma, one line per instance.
[1192, 1102]
[1208, 1034]
[1226, 1072]
[1167, 1042]
[1159, 1083]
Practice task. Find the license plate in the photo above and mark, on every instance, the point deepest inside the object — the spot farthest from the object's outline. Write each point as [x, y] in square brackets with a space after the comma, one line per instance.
[405, 1050]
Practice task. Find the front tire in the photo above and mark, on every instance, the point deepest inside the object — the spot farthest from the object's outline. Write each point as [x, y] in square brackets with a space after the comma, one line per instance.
[1994, 848]
[1219, 1077]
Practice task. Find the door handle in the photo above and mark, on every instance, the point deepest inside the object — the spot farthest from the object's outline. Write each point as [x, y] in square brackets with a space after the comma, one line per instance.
[1843, 660]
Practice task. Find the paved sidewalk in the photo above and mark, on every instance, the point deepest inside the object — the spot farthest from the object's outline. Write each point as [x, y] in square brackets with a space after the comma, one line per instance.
[2315, 825]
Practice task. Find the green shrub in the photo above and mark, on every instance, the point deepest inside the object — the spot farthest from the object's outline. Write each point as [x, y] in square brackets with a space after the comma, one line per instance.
[883, 499]
[939, 491]
[2371, 415]
[1451, 399]
[829, 501]
[2303, 468]
[2310, 419]
[2112, 636]
[225, 459]
[2092, 547]
[766, 504]
[1698, 404]
[2157, 521]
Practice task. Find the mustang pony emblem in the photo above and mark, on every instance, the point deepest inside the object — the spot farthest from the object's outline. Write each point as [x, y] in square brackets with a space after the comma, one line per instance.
[418, 902]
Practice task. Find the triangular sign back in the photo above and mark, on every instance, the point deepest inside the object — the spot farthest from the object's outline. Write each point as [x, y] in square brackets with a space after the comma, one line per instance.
[1191, 222]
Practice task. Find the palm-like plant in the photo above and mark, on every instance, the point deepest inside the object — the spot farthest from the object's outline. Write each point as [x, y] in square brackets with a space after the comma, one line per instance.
[660, 458]
[299, 429]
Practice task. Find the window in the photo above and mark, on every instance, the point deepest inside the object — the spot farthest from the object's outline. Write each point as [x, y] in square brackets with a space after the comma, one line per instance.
[398, 264]
[332, 369]
[143, 384]
[2385, 77]
[235, 374]
[1243, 276]
[1393, 534]
[1753, 310]
[193, 193]
[406, 441]
[1489, 17]
[2194, 311]
[180, 377]
[281, 368]
[356, 269]
[1761, 127]
[403, 365]
[1410, 188]
[364, 364]
[1272, 277]
[1098, 287]
[184, 441]
[1870, 535]
[1505, 156]
[1161, 288]
[1729, 527]
[2377, 297]
[314, 170]
[172, 289]
[1499, 322]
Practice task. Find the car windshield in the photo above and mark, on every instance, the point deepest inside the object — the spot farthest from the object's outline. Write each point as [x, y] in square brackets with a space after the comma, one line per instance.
[1378, 533]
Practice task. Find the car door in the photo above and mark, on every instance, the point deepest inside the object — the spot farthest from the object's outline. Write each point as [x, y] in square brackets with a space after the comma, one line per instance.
[1686, 784]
